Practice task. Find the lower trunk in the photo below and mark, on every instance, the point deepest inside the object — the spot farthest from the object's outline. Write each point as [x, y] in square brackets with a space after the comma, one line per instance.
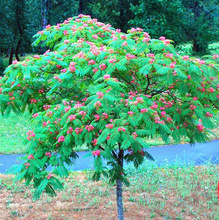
[119, 200]
[195, 47]
[17, 49]
[80, 10]
[11, 55]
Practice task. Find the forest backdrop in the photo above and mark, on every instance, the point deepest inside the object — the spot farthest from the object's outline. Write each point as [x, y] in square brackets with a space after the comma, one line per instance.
[194, 21]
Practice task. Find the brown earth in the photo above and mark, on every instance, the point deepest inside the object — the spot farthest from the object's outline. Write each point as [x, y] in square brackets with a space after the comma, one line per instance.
[84, 199]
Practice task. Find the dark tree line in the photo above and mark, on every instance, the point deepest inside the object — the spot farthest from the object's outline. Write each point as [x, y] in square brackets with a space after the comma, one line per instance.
[179, 20]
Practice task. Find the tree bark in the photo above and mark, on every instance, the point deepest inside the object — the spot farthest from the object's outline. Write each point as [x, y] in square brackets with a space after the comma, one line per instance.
[44, 11]
[80, 10]
[119, 200]
[11, 55]
[17, 49]
[122, 14]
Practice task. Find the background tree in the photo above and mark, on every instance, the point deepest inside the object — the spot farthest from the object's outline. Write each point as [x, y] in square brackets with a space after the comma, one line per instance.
[161, 18]
[12, 32]
[119, 14]
[111, 91]
[181, 20]
[202, 23]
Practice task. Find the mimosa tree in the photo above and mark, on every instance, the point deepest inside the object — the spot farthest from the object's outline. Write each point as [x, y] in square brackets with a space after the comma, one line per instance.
[110, 91]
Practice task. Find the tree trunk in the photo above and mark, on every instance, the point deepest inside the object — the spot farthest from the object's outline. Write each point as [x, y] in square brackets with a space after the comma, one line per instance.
[11, 55]
[44, 11]
[17, 49]
[80, 10]
[122, 14]
[119, 186]
[119, 199]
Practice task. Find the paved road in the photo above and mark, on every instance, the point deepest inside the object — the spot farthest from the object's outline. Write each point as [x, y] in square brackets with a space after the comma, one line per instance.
[183, 153]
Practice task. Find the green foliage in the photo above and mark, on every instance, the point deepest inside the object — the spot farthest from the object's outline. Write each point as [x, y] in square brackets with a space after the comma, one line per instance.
[111, 91]
[181, 20]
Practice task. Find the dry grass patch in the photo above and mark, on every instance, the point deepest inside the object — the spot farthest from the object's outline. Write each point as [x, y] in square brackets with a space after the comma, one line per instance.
[155, 193]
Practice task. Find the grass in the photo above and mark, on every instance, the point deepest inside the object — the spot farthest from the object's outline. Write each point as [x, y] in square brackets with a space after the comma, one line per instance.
[155, 193]
[13, 129]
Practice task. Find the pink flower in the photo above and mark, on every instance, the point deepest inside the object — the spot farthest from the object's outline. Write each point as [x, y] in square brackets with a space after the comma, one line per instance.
[166, 42]
[151, 55]
[208, 114]
[162, 38]
[215, 56]
[67, 108]
[192, 107]
[15, 62]
[146, 39]
[201, 61]
[27, 165]
[195, 98]
[82, 113]
[125, 44]
[61, 138]
[123, 37]
[121, 129]
[36, 56]
[66, 41]
[35, 115]
[169, 119]
[96, 153]
[44, 124]
[30, 157]
[139, 100]
[89, 127]
[49, 176]
[30, 135]
[70, 130]
[169, 55]
[48, 154]
[172, 65]
[134, 134]
[72, 69]
[78, 130]
[106, 76]
[109, 126]
[63, 70]
[97, 104]
[72, 117]
[211, 90]
[112, 60]
[105, 115]
[189, 77]
[100, 95]
[151, 61]
[163, 114]
[91, 62]
[102, 66]
[143, 110]
[94, 36]
[130, 56]
[94, 142]
[97, 117]
[130, 113]
[185, 57]
[154, 106]
[200, 127]
[65, 32]
[95, 70]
